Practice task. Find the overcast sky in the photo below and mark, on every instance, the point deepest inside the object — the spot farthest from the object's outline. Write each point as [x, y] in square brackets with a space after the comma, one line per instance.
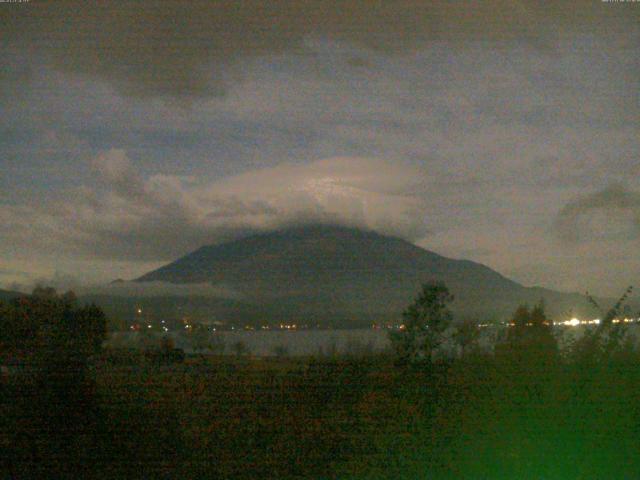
[506, 133]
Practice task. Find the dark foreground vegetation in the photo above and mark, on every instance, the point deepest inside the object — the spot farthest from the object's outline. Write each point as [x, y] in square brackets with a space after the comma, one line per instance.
[523, 410]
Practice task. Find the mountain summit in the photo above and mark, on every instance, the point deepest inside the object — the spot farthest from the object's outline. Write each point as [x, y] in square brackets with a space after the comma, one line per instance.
[348, 274]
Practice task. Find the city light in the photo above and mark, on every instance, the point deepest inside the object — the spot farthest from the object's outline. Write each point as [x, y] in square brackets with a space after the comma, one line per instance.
[574, 322]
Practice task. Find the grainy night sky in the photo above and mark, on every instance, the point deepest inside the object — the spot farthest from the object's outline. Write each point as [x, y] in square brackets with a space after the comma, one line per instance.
[504, 132]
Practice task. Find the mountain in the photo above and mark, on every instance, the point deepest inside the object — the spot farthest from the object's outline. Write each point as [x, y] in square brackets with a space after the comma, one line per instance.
[349, 277]
[7, 295]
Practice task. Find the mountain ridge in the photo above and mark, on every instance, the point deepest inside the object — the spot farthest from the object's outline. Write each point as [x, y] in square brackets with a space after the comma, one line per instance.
[7, 295]
[352, 273]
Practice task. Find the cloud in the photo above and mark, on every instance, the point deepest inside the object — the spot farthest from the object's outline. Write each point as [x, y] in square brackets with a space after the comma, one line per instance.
[508, 131]
[352, 191]
[157, 289]
[609, 213]
[63, 282]
[174, 48]
[163, 216]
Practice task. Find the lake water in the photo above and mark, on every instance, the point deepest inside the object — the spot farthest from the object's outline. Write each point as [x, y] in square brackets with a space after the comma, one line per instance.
[290, 342]
[310, 342]
[266, 342]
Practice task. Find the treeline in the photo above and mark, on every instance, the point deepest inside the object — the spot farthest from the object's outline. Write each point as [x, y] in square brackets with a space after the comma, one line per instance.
[48, 323]
[528, 335]
[47, 391]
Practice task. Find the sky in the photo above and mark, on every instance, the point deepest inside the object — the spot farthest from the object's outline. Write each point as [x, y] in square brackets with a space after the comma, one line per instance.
[504, 132]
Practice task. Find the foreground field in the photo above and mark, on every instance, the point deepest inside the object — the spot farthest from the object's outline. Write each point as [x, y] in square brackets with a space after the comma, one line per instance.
[348, 417]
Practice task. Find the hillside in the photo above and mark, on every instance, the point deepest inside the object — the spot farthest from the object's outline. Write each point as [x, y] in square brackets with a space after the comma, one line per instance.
[351, 276]
[6, 295]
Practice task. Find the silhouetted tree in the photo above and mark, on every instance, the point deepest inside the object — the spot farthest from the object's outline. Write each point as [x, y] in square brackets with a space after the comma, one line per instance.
[529, 337]
[608, 337]
[54, 338]
[466, 335]
[200, 338]
[49, 324]
[424, 322]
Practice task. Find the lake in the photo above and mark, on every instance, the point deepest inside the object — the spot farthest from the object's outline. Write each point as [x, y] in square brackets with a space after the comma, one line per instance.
[307, 342]
[266, 342]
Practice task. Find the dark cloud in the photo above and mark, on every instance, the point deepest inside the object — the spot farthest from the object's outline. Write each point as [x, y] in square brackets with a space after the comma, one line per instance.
[613, 211]
[183, 48]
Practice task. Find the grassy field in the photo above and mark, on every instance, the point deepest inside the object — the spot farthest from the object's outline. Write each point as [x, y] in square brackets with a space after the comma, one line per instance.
[346, 417]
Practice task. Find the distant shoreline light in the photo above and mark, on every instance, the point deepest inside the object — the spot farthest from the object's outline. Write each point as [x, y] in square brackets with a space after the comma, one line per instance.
[575, 322]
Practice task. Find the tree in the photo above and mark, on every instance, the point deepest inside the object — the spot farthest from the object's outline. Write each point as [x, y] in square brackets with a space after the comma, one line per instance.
[54, 338]
[49, 324]
[466, 335]
[608, 337]
[424, 322]
[200, 338]
[89, 328]
[529, 336]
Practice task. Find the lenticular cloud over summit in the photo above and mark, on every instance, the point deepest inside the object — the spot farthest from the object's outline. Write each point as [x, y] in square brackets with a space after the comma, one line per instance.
[358, 192]
[160, 217]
